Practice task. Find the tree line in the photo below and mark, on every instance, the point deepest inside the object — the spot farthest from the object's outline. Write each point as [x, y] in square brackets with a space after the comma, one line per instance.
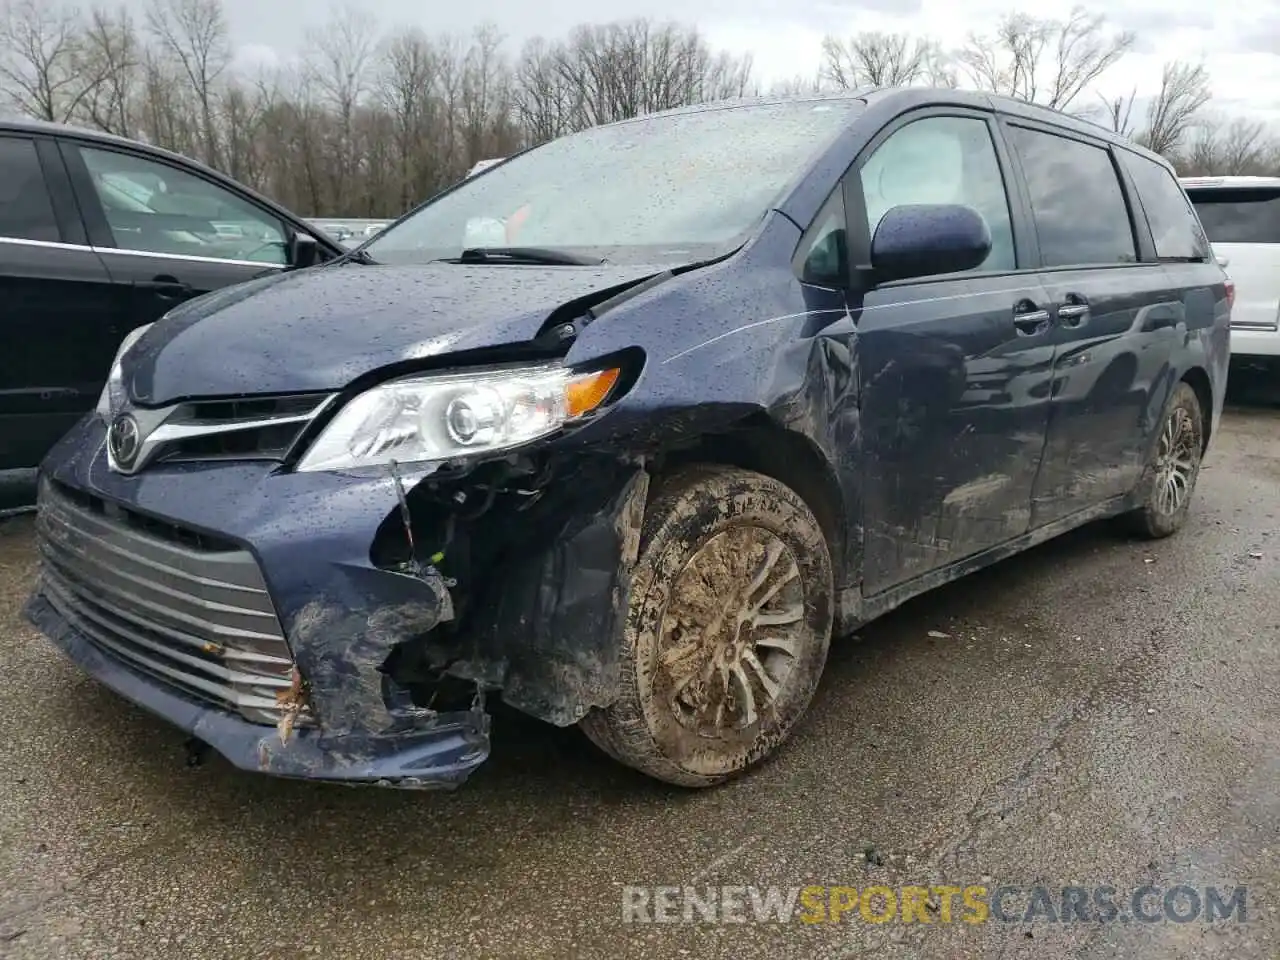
[368, 122]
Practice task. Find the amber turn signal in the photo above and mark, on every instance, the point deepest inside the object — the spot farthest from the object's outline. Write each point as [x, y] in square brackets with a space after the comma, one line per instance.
[584, 393]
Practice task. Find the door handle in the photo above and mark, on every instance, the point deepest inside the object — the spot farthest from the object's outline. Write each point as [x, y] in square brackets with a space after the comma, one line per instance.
[1074, 311]
[166, 288]
[1030, 320]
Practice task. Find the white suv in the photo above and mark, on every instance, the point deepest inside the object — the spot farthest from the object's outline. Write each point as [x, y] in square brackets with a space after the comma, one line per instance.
[1241, 216]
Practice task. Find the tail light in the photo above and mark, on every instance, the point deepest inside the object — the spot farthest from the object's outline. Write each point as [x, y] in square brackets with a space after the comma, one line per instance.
[1231, 293]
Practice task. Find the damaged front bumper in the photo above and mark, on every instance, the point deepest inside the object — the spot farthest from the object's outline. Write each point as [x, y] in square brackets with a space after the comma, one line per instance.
[529, 604]
[439, 757]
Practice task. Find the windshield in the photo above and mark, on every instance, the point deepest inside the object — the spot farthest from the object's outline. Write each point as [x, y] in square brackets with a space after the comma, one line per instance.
[1231, 215]
[681, 187]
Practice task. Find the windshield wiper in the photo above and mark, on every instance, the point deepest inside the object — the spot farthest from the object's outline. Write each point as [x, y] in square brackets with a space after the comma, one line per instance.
[357, 256]
[527, 255]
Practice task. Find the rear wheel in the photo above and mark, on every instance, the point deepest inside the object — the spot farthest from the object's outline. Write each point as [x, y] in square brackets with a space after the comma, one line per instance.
[1170, 478]
[728, 628]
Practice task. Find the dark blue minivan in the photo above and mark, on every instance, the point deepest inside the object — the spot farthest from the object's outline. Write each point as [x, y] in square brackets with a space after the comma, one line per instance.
[625, 428]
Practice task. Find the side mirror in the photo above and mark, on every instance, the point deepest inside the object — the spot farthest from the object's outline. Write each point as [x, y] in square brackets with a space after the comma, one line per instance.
[925, 240]
[303, 250]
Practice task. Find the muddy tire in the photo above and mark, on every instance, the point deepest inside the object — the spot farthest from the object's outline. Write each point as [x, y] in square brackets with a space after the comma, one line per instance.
[728, 628]
[1165, 490]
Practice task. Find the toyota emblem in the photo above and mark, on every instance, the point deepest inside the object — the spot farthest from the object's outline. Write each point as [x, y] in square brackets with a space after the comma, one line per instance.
[124, 440]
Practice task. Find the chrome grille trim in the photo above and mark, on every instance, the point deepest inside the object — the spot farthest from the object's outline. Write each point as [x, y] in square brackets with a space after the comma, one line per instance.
[265, 427]
[1260, 326]
[196, 618]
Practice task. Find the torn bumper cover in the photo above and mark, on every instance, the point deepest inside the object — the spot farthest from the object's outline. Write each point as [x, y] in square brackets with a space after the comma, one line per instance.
[441, 756]
[543, 628]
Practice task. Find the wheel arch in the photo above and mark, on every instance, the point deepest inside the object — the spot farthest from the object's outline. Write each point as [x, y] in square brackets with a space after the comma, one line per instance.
[762, 445]
[1198, 380]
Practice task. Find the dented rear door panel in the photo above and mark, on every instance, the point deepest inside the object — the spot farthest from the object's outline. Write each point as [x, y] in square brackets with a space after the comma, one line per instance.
[1112, 371]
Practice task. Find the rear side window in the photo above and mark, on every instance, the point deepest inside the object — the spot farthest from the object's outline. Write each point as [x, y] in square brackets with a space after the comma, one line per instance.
[1076, 200]
[26, 213]
[1173, 223]
[1239, 216]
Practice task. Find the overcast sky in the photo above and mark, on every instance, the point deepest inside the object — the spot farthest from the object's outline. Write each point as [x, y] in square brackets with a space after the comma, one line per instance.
[1239, 41]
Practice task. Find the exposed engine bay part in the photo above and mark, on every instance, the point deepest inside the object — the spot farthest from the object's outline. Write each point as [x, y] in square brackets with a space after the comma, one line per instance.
[533, 562]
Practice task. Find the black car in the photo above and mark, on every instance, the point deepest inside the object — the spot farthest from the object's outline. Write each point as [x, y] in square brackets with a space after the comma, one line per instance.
[98, 236]
[724, 382]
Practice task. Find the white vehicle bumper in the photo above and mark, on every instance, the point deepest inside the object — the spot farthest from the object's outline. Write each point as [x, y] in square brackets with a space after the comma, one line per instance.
[1255, 343]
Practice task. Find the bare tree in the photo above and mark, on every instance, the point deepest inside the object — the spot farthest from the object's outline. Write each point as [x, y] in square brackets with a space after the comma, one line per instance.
[626, 69]
[193, 35]
[1044, 61]
[1184, 91]
[875, 59]
[1221, 147]
[339, 68]
[40, 58]
[409, 64]
[546, 102]
[485, 93]
[370, 126]
[1119, 113]
[797, 86]
[112, 60]
[1244, 147]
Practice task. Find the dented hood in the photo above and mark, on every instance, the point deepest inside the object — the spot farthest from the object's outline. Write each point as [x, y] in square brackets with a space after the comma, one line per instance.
[319, 329]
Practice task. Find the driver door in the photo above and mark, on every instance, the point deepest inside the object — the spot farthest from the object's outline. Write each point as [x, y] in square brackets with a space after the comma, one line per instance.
[165, 233]
[955, 368]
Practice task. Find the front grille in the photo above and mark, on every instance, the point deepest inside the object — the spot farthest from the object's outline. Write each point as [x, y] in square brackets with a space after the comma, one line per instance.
[254, 428]
[182, 608]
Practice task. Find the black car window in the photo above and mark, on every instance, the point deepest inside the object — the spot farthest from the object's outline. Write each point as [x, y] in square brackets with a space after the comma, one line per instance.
[1174, 226]
[1232, 215]
[824, 252]
[1076, 200]
[26, 213]
[157, 208]
[942, 160]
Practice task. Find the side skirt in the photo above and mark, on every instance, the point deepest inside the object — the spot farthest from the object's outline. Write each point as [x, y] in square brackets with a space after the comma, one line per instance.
[857, 610]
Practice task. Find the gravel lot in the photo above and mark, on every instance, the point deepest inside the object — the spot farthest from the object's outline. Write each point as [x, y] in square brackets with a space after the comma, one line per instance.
[1098, 712]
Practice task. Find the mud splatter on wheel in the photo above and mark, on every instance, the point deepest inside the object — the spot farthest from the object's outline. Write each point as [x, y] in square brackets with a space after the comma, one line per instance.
[1170, 478]
[728, 628]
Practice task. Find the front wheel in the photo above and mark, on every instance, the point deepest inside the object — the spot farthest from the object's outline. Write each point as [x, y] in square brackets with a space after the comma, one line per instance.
[727, 631]
[1170, 477]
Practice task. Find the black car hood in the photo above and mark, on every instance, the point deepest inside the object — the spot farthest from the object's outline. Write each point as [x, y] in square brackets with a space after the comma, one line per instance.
[319, 329]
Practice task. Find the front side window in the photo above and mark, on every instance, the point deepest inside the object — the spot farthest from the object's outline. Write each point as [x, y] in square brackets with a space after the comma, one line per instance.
[942, 160]
[1174, 226]
[824, 252]
[660, 189]
[26, 213]
[1076, 200]
[155, 208]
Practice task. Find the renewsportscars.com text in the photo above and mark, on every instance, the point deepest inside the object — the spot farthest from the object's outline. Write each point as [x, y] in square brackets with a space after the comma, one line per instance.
[936, 903]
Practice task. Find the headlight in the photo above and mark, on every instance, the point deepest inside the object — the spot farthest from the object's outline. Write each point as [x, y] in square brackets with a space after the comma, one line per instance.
[438, 417]
[112, 396]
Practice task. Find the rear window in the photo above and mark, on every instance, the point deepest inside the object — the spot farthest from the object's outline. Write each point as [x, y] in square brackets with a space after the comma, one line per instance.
[1239, 216]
